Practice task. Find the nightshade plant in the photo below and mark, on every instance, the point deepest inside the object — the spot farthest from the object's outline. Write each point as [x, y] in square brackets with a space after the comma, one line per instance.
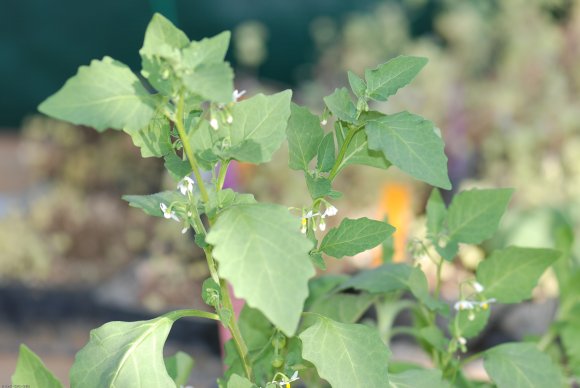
[295, 329]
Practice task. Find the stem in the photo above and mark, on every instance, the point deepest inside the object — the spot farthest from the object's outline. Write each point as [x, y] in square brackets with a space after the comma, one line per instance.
[188, 150]
[404, 330]
[547, 339]
[222, 174]
[191, 313]
[235, 330]
[337, 164]
[438, 281]
[474, 356]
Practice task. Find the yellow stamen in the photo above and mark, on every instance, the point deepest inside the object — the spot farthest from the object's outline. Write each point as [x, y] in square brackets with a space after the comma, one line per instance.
[484, 306]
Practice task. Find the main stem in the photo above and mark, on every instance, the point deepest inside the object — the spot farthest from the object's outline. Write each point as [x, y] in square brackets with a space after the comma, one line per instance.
[338, 163]
[232, 325]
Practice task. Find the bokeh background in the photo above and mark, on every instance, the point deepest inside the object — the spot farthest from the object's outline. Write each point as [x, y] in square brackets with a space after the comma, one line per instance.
[502, 84]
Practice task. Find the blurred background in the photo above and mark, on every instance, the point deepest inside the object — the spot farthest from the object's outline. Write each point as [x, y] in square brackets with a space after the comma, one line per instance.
[502, 83]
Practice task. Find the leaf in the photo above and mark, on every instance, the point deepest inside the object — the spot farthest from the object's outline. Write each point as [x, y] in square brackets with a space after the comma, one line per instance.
[125, 354]
[509, 275]
[105, 94]
[570, 336]
[259, 127]
[357, 84]
[409, 142]
[436, 212]
[31, 371]
[416, 378]
[150, 204]
[318, 186]
[355, 236]
[346, 308]
[207, 51]
[213, 82]
[237, 381]
[177, 167]
[326, 154]
[386, 79]
[261, 251]
[462, 326]
[154, 140]
[341, 105]
[521, 365]
[322, 285]
[304, 136]
[179, 367]
[161, 36]
[358, 151]
[223, 199]
[435, 337]
[346, 355]
[474, 215]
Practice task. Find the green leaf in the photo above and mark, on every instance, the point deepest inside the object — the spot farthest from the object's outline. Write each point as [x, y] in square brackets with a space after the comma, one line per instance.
[259, 127]
[177, 167]
[521, 365]
[304, 136]
[318, 186]
[341, 105]
[358, 151]
[213, 82]
[355, 236]
[179, 367]
[261, 251]
[357, 84]
[154, 140]
[509, 275]
[326, 154]
[346, 308]
[410, 143]
[462, 326]
[105, 94]
[570, 335]
[127, 354]
[207, 51]
[346, 355]
[223, 199]
[150, 204]
[322, 285]
[386, 79]
[317, 260]
[237, 381]
[474, 215]
[31, 371]
[436, 212]
[416, 378]
[162, 38]
[448, 251]
[435, 337]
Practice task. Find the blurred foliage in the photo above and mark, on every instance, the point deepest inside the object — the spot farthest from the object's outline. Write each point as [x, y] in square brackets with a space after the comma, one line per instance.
[76, 229]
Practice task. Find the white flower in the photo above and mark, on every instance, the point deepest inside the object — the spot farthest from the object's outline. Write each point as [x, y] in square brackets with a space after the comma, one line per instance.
[186, 185]
[167, 213]
[478, 287]
[462, 340]
[214, 123]
[236, 95]
[286, 383]
[324, 122]
[322, 225]
[464, 305]
[184, 230]
[485, 304]
[230, 119]
[330, 211]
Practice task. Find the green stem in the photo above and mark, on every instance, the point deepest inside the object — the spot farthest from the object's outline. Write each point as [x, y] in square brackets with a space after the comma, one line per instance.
[338, 163]
[191, 313]
[547, 339]
[235, 330]
[438, 281]
[187, 148]
[398, 330]
[222, 174]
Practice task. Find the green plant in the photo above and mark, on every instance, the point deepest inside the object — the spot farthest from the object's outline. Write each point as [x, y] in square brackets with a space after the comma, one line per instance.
[294, 326]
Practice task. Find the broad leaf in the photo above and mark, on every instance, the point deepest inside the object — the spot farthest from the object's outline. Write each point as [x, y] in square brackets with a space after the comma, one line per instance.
[346, 355]
[321, 286]
[341, 105]
[386, 79]
[179, 367]
[150, 204]
[436, 212]
[462, 326]
[509, 275]
[31, 371]
[318, 186]
[358, 151]
[223, 199]
[177, 167]
[355, 236]
[259, 127]
[154, 140]
[357, 85]
[346, 308]
[326, 153]
[410, 143]
[304, 136]
[105, 94]
[474, 215]
[521, 365]
[207, 51]
[213, 82]
[261, 251]
[416, 378]
[237, 381]
[127, 354]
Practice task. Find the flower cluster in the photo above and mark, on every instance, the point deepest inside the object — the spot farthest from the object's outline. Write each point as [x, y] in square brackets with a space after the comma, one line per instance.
[185, 186]
[317, 218]
[285, 382]
[223, 111]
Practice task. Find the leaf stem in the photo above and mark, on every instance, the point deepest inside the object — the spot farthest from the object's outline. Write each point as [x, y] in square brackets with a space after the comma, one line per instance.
[191, 313]
[338, 162]
[235, 330]
[222, 174]
[187, 148]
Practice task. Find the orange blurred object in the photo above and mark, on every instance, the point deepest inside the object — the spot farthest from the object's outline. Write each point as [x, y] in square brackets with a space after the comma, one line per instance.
[395, 205]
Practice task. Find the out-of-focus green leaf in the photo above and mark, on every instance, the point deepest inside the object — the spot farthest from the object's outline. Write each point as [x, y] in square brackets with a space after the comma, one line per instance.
[31, 371]
[179, 367]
